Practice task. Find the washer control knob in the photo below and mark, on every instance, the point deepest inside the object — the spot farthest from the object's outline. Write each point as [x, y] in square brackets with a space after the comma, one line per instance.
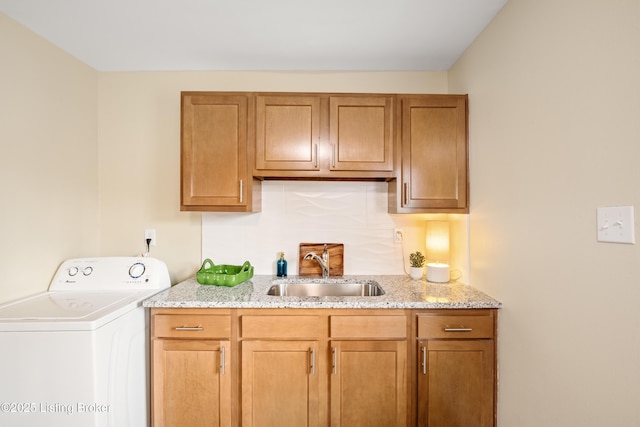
[136, 270]
[73, 271]
[87, 270]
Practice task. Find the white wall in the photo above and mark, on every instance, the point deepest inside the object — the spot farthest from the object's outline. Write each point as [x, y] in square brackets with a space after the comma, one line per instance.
[352, 213]
[49, 160]
[554, 93]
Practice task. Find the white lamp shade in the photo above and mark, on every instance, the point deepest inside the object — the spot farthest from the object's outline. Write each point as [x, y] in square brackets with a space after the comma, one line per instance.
[437, 246]
[437, 241]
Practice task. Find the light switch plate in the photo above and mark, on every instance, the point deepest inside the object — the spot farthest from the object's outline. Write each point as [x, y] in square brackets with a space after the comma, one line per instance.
[616, 224]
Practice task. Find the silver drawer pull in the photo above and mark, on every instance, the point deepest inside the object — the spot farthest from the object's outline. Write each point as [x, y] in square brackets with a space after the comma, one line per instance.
[334, 352]
[222, 360]
[189, 328]
[460, 329]
[313, 360]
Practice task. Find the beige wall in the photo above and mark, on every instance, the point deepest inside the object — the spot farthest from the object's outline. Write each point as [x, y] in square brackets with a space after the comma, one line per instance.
[48, 165]
[554, 90]
[140, 148]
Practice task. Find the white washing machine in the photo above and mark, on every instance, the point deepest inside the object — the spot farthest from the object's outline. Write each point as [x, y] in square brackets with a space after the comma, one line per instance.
[78, 354]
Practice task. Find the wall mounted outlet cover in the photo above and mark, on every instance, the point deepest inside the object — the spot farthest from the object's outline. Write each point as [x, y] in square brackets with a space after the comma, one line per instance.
[397, 235]
[616, 224]
[150, 233]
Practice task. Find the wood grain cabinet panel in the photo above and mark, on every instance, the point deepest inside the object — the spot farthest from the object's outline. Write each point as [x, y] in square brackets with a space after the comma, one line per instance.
[368, 383]
[280, 385]
[278, 326]
[192, 368]
[456, 387]
[323, 367]
[230, 141]
[191, 383]
[287, 132]
[456, 369]
[361, 133]
[215, 156]
[189, 326]
[368, 326]
[434, 155]
[324, 136]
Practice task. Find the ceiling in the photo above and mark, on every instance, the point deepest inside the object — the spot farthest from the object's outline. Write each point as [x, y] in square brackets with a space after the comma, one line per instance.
[326, 35]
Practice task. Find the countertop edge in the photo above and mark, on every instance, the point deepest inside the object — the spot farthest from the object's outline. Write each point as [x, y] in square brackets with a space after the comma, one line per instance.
[401, 292]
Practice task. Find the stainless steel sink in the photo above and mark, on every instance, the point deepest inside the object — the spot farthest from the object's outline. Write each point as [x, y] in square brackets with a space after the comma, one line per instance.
[326, 289]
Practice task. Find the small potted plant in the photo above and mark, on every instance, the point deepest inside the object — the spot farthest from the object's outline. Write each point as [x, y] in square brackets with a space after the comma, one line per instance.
[417, 265]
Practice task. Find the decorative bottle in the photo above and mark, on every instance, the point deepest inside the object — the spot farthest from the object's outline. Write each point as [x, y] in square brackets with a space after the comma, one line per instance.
[281, 266]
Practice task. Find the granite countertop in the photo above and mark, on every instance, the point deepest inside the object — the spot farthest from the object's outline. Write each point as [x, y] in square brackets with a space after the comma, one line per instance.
[400, 292]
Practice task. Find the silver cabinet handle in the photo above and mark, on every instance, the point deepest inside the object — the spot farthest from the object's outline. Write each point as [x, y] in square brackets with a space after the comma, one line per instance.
[189, 328]
[222, 360]
[240, 191]
[315, 155]
[460, 329]
[423, 349]
[333, 155]
[334, 351]
[404, 194]
[312, 355]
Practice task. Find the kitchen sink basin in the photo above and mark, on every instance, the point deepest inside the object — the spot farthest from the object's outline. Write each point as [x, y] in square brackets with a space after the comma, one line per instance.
[326, 289]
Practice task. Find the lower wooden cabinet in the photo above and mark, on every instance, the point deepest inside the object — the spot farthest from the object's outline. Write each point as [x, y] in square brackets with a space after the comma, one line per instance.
[192, 383]
[456, 369]
[191, 369]
[455, 388]
[280, 384]
[323, 367]
[368, 383]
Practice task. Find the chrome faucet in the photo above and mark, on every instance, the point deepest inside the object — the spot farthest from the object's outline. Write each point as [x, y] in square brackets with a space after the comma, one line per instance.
[324, 261]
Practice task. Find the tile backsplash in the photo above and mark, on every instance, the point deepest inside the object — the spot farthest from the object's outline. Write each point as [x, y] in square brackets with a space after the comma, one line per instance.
[352, 213]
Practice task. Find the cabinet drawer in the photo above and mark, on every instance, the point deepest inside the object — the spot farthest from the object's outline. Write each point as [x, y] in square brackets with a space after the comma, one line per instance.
[455, 327]
[190, 326]
[280, 326]
[368, 326]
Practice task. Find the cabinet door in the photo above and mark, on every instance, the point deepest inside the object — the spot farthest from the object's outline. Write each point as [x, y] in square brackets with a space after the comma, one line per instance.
[191, 383]
[434, 153]
[214, 152]
[360, 132]
[280, 384]
[287, 132]
[456, 383]
[368, 384]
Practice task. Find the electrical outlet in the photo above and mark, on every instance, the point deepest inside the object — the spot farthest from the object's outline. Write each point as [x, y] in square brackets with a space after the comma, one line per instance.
[397, 235]
[150, 234]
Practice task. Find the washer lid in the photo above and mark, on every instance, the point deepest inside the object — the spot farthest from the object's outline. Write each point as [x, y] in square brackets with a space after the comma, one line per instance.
[60, 306]
[67, 310]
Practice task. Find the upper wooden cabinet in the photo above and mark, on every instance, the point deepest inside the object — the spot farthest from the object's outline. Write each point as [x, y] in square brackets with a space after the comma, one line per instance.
[215, 154]
[361, 133]
[433, 153]
[233, 140]
[287, 133]
[324, 136]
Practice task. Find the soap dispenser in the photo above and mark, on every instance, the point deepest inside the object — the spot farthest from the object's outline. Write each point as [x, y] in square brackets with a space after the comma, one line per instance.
[281, 266]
